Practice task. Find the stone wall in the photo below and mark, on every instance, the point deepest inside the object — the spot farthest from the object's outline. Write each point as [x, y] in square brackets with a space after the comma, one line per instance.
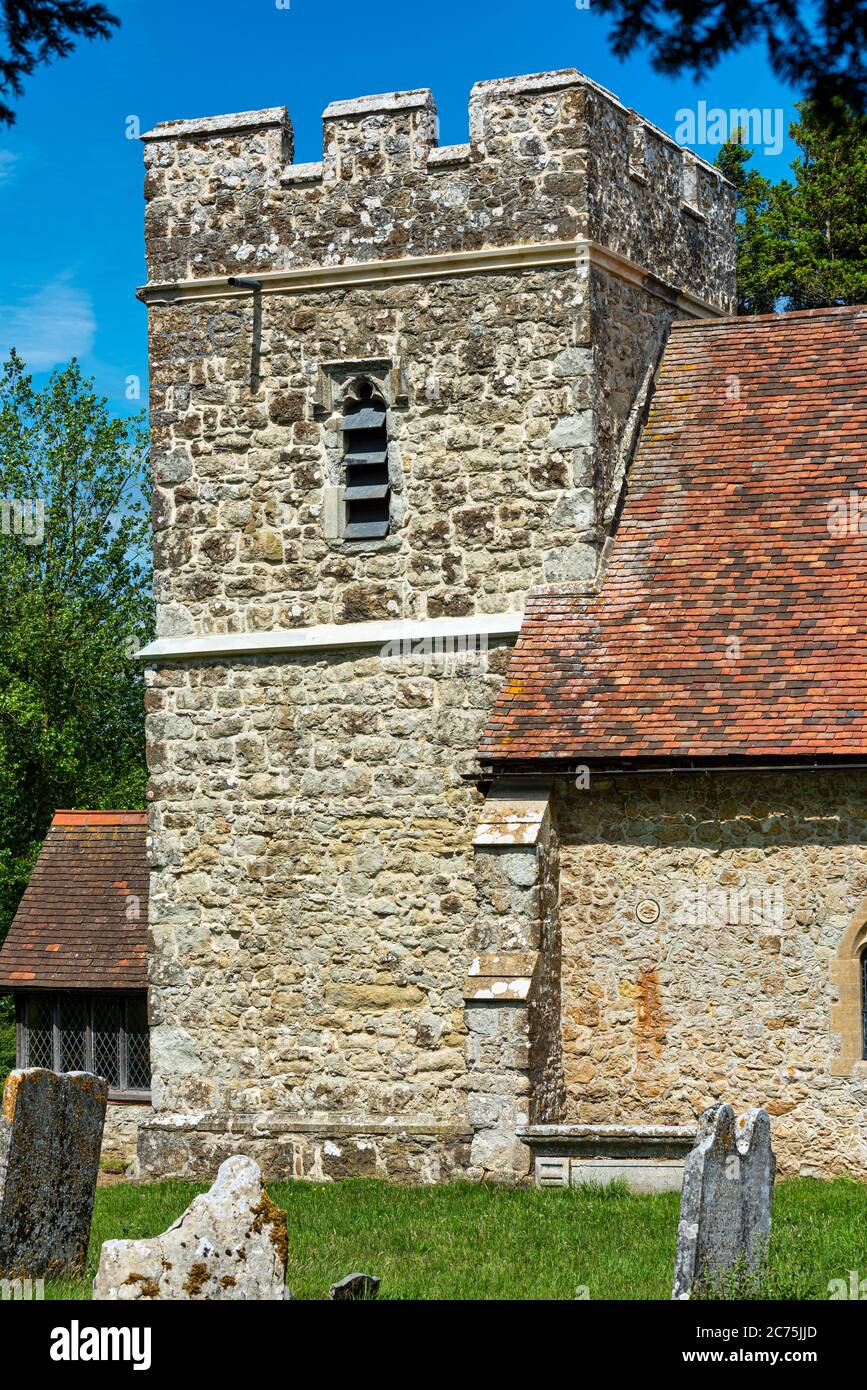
[729, 992]
[313, 906]
[120, 1136]
[494, 491]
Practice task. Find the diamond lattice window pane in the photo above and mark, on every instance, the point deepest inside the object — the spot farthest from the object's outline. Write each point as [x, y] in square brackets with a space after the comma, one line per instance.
[106, 1038]
[73, 1020]
[40, 1031]
[138, 1062]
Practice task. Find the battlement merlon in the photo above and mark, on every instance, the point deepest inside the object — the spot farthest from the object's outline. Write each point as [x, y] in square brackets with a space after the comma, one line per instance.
[551, 157]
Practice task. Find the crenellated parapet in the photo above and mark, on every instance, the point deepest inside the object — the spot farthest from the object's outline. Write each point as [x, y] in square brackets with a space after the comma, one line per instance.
[551, 158]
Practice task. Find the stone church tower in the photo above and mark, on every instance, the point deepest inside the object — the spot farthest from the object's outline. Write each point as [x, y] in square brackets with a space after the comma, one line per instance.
[391, 394]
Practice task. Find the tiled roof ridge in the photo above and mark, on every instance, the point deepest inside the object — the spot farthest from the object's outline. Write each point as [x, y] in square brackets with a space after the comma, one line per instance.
[117, 817]
[748, 320]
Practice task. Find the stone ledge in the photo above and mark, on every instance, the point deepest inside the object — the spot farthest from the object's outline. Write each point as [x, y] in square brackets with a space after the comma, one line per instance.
[337, 637]
[612, 1141]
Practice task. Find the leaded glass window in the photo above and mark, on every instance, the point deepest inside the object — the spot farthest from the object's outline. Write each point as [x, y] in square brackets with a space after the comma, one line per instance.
[39, 1026]
[106, 1039]
[73, 1033]
[102, 1033]
[138, 1056]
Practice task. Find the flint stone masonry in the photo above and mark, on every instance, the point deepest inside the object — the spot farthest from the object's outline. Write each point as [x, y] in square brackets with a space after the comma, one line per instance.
[317, 904]
[230, 1244]
[50, 1136]
[550, 157]
[725, 1206]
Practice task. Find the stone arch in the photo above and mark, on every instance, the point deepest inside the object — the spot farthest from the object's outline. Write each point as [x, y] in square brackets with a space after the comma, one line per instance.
[847, 1012]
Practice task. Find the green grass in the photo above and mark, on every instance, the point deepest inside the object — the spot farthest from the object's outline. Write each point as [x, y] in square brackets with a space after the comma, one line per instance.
[471, 1242]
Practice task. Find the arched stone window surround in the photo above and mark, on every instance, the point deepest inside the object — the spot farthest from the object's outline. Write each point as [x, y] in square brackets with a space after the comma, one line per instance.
[336, 382]
[847, 1012]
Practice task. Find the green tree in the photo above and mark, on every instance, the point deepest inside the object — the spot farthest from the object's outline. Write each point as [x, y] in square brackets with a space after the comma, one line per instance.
[37, 32]
[75, 595]
[820, 49]
[803, 244]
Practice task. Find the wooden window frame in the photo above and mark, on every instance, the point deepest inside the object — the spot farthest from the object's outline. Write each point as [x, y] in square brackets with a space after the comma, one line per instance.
[88, 997]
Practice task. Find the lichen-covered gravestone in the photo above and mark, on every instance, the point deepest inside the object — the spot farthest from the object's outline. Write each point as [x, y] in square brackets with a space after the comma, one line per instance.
[50, 1138]
[230, 1243]
[725, 1205]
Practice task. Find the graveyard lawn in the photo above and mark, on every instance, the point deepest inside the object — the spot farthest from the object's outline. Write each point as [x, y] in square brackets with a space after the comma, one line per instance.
[482, 1242]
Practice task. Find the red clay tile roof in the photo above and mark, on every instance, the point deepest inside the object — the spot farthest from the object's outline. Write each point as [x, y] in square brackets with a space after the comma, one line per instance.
[82, 923]
[732, 621]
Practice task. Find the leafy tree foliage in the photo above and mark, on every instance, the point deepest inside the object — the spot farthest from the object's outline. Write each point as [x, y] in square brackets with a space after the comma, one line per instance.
[38, 31]
[803, 244]
[75, 603]
[819, 49]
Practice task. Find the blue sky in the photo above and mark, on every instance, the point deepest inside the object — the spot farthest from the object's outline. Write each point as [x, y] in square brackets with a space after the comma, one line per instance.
[71, 180]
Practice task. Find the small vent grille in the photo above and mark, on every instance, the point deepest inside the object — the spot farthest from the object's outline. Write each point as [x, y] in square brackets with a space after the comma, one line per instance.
[365, 460]
[552, 1172]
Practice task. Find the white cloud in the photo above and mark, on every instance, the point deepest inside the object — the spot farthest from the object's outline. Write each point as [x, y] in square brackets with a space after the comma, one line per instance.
[52, 325]
[8, 160]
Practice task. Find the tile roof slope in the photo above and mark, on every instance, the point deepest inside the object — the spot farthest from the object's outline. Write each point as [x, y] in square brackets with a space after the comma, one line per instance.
[732, 621]
[82, 922]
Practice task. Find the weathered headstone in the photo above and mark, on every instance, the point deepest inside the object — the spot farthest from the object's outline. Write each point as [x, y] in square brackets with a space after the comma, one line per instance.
[230, 1243]
[50, 1138]
[725, 1205]
[358, 1287]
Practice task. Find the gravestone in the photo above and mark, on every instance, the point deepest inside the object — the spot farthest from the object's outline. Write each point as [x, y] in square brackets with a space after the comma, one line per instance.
[725, 1205]
[50, 1138]
[230, 1243]
[354, 1287]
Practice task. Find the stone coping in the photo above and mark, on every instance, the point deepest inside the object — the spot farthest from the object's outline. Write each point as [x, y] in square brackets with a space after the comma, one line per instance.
[219, 125]
[419, 97]
[302, 173]
[447, 155]
[607, 1140]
